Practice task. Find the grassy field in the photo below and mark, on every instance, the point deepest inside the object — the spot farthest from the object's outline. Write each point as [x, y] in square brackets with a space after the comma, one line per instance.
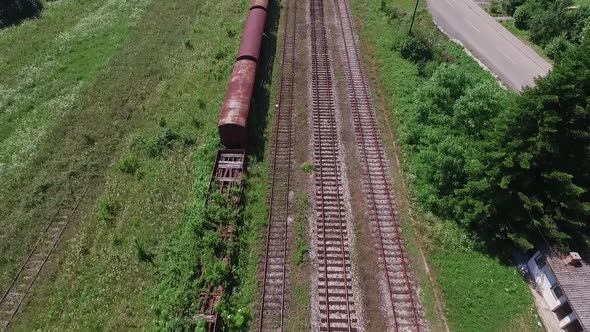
[116, 95]
[480, 292]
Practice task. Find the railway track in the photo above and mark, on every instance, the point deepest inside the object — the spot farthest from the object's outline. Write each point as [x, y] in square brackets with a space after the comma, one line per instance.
[337, 309]
[377, 186]
[272, 309]
[17, 291]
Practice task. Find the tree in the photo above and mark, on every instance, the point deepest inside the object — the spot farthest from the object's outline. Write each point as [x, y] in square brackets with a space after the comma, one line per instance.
[544, 168]
[511, 5]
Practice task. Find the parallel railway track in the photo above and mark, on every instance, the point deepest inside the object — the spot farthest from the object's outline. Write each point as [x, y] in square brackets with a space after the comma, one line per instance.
[272, 308]
[19, 288]
[337, 308]
[377, 186]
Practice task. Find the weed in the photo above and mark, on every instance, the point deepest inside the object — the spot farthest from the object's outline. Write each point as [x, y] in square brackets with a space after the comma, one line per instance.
[128, 164]
[416, 49]
[107, 211]
[188, 44]
[88, 140]
[301, 246]
[141, 254]
[160, 141]
[307, 168]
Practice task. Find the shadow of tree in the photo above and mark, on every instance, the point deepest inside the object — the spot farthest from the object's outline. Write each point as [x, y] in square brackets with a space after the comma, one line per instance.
[13, 12]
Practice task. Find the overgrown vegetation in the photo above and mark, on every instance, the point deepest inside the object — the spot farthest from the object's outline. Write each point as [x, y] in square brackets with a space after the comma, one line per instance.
[194, 258]
[301, 212]
[554, 25]
[514, 167]
[197, 259]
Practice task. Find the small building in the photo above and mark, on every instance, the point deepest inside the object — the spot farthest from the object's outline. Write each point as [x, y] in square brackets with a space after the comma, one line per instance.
[564, 282]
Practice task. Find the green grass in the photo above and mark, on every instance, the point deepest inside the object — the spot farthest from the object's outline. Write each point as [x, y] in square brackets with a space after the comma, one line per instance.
[57, 57]
[48, 65]
[480, 293]
[130, 133]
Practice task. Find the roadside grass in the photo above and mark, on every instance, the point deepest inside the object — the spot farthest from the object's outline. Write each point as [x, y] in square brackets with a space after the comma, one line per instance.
[148, 110]
[480, 292]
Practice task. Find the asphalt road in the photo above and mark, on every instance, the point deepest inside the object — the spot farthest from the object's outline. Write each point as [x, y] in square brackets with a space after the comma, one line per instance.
[511, 60]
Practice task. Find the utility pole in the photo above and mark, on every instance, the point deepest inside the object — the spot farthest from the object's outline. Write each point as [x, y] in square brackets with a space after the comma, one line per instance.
[414, 16]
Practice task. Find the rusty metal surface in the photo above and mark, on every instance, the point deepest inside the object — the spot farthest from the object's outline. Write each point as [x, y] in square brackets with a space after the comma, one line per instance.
[259, 3]
[404, 304]
[252, 37]
[234, 114]
[275, 277]
[227, 177]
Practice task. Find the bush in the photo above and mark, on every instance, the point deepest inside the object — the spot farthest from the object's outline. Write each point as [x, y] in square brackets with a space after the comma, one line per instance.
[307, 168]
[496, 8]
[107, 210]
[128, 164]
[557, 47]
[416, 49]
[522, 16]
[580, 21]
[165, 138]
[15, 11]
[511, 5]
[391, 12]
[548, 23]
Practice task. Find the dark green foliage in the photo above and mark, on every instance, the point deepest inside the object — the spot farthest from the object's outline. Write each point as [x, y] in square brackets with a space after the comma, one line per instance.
[549, 21]
[391, 11]
[128, 164]
[510, 168]
[107, 210]
[164, 138]
[544, 167]
[557, 48]
[194, 259]
[14, 11]
[546, 20]
[416, 49]
[496, 8]
[452, 117]
[142, 254]
[522, 16]
[511, 5]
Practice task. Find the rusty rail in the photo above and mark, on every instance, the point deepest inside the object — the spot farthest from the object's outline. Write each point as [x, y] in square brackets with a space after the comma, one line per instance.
[336, 304]
[377, 186]
[21, 284]
[272, 307]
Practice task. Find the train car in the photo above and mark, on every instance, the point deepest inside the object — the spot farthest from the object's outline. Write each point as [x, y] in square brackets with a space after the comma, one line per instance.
[236, 106]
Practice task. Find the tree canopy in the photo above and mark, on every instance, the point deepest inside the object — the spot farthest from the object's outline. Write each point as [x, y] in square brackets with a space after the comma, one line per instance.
[510, 167]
